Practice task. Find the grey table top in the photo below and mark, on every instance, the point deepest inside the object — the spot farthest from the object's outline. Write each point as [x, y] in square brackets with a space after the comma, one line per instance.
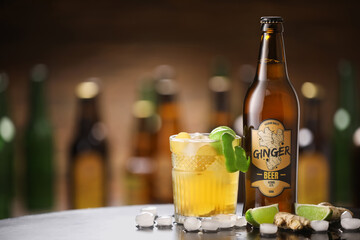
[119, 223]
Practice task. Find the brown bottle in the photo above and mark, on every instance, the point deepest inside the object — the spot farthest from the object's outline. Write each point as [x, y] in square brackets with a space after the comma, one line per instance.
[313, 168]
[140, 165]
[220, 86]
[168, 113]
[271, 125]
[88, 166]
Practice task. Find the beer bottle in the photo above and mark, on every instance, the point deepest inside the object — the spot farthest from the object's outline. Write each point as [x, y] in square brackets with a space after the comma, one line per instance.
[355, 171]
[168, 112]
[7, 135]
[346, 120]
[39, 173]
[140, 166]
[220, 86]
[314, 170]
[88, 166]
[271, 124]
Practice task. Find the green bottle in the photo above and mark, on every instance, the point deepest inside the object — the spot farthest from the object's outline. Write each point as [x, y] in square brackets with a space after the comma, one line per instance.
[7, 134]
[39, 173]
[345, 123]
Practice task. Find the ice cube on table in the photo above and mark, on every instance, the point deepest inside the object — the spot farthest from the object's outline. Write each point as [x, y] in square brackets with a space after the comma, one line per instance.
[319, 225]
[192, 224]
[209, 225]
[268, 229]
[350, 223]
[346, 214]
[164, 221]
[145, 219]
[240, 221]
[225, 220]
[150, 209]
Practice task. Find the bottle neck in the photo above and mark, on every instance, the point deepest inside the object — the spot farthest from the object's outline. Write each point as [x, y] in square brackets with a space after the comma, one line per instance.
[88, 115]
[313, 123]
[3, 104]
[221, 101]
[272, 60]
[37, 100]
[168, 108]
[143, 145]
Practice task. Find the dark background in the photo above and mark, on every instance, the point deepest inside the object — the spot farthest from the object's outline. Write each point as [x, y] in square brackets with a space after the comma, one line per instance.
[119, 41]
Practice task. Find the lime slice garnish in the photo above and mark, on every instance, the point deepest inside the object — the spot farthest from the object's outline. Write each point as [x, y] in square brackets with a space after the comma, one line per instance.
[313, 212]
[259, 215]
[216, 134]
[235, 156]
[228, 151]
[242, 161]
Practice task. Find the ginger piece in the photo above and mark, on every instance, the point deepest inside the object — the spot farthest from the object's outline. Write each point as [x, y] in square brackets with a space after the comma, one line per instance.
[336, 211]
[290, 221]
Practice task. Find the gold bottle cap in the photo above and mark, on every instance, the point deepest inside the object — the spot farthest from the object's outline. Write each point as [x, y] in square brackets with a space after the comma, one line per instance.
[312, 90]
[88, 89]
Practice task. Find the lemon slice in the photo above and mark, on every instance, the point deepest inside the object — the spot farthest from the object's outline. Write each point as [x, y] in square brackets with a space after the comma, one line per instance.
[206, 150]
[205, 156]
[177, 147]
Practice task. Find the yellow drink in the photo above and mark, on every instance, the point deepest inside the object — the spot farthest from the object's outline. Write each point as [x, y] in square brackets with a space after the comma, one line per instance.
[202, 187]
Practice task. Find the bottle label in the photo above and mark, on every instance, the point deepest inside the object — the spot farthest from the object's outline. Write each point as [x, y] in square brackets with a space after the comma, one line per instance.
[271, 158]
[89, 181]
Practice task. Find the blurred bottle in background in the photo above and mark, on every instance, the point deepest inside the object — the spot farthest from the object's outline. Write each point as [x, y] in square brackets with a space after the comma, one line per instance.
[220, 86]
[246, 76]
[356, 140]
[88, 163]
[313, 168]
[166, 89]
[345, 123]
[39, 153]
[140, 166]
[7, 154]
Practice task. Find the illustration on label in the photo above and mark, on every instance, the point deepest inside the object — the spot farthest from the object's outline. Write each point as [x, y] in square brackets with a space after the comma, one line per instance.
[270, 158]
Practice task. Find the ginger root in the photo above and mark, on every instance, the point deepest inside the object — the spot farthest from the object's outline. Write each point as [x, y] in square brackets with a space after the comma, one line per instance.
[290, 221]
[336, 211]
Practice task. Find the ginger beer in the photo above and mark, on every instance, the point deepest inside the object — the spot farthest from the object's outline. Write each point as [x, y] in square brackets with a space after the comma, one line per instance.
[271, 123]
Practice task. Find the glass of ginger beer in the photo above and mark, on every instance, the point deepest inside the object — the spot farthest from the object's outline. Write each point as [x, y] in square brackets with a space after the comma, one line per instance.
[202, 187]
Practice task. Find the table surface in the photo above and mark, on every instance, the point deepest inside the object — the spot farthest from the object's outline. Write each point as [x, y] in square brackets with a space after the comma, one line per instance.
[119, 223]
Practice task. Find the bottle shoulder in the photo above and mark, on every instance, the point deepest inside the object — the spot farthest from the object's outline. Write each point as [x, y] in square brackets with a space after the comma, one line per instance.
[271, 100]
[271, 91]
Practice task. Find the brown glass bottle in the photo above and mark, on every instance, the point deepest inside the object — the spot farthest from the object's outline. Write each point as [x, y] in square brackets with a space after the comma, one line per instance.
[88, 166]
[220, 86]
[271, 125]
[313, 168]
[168, 113]
[140, 165]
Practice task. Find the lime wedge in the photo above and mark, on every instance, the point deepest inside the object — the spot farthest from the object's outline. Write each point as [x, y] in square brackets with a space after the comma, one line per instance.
[227, 145]
[217, 132]
[216, 135]
[313, 212]
[259, 215]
